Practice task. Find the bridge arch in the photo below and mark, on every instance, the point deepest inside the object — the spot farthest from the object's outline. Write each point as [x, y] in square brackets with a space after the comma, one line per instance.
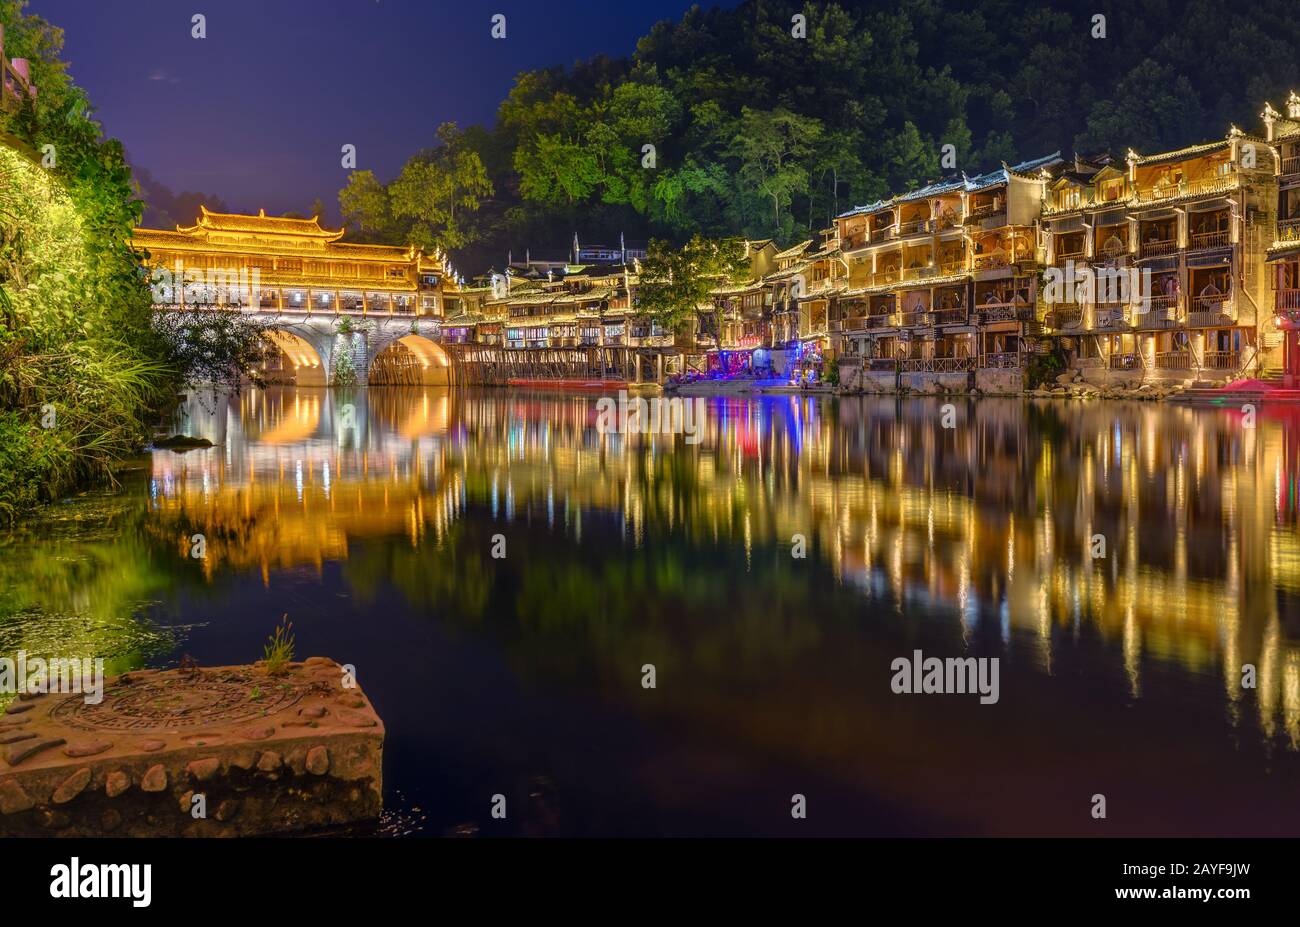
[410, 360]
[295, 360]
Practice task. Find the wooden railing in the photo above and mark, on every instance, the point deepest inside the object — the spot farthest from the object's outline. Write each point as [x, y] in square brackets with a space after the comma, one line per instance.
[1065, 317]
[1206, 185]
[992, 260]
[1291, 165]
[1222, 360]
[909, 319]
[882, 364]
[936, 364]
[1201, 240]
[1158, 248]
[1286, 299]
[1002, 360]
[1173, 360]
[949, 317]
[913, 225]
[1209, 318]
[1006, 312]
[1125, 361]
[1161, 317]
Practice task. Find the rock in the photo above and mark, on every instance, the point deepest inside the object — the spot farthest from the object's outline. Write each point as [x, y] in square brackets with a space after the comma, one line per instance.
[269, 761]
[227, 809]
[185, 801]
[111, 819]
[17, 708]
[155, 779]
[318, 761]
[13, 799]
[72, 786]
[116, 783]
[319, 661]
[355, 719]
[1065, 378]
[87, 748]
[29, 748]
[15, 737]
[314, 711]
[257, 733]
[151, 746]
[204, 769]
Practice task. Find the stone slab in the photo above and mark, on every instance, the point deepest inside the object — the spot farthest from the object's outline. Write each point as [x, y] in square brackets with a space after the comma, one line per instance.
[267, 754]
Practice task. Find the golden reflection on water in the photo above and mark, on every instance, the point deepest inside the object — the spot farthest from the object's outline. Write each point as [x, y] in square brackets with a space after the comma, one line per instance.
[997, 516]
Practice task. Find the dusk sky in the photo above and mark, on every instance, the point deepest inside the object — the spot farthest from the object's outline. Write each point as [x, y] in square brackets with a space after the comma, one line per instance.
[256, 113]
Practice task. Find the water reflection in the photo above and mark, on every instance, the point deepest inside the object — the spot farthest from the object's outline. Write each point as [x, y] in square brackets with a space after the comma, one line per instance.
[374, 515]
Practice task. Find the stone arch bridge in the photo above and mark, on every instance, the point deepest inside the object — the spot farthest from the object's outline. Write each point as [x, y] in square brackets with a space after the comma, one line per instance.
[406, 351]
[379, 350]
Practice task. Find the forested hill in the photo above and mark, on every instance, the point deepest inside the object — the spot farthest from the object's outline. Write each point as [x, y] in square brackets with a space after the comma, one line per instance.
[760, 133]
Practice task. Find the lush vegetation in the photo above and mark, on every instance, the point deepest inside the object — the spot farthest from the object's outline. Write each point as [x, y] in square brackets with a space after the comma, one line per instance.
[759, 133]
[85, 364]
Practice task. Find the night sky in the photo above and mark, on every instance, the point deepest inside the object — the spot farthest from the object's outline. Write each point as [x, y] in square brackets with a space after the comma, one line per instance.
[256, 113]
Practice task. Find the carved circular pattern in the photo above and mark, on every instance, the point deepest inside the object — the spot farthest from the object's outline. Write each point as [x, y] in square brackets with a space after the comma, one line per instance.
[153, 704]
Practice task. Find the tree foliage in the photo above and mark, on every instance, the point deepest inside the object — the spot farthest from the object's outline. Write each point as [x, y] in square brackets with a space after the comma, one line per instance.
[759, 133]
[675, 283]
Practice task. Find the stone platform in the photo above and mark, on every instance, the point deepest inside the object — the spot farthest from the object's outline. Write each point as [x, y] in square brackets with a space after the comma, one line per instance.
[268, 754]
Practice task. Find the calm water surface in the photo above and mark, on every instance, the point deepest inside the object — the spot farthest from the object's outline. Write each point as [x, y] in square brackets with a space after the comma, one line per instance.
[369, 520]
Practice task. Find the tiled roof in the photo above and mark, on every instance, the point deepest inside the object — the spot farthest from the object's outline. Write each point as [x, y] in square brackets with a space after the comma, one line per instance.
[262, 223]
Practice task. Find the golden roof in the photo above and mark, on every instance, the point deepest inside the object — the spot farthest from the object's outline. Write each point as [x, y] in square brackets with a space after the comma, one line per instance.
[260, 224]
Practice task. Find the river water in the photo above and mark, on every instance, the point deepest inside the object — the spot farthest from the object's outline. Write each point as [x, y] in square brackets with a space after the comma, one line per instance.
[370, 519]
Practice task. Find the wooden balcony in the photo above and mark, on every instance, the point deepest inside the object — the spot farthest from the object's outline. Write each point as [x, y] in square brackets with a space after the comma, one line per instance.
[1173, 360]
[1162, 248]
[986, 211]
[1202, 241]
[1222, 360]
[1209, 311]
[1203, 187]
[1005, 312]
[880, 320]
[1125, 362]
[1291, 166]
[914, 319]
[1155, 317]
[1286, 299]
[992, 261]
[1001, 360]
[913, 227]
[1063, 317]
[949, 317]
[1110, 318]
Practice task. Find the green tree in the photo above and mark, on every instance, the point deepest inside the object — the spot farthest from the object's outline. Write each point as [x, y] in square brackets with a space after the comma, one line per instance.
[675, 284]
[440, 192]
[367, 210]
[773, 149]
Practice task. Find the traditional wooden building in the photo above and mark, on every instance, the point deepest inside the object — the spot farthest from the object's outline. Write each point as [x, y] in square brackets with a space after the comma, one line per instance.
[941, 281]
[277, 264]
[1170, 248]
